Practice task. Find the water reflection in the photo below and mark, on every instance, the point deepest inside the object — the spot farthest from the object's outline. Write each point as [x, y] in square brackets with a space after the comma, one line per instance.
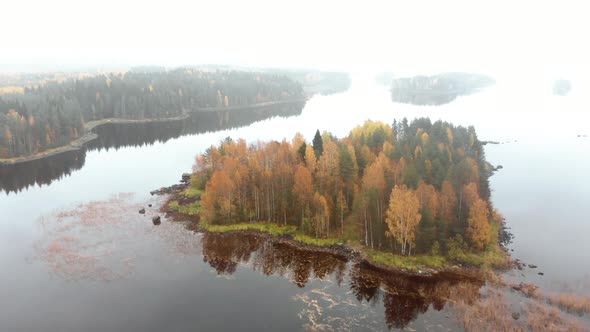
[14, 178]
[406, 297]
[423, 98]
[403, 297]
[224, 252]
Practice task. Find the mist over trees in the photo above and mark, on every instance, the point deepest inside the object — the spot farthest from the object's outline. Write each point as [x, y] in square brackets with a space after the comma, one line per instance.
[315, 81]
[54, 114]
[416, 187]
[437, 89]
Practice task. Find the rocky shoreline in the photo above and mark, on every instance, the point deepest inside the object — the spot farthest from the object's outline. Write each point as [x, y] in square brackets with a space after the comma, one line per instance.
[342, 251]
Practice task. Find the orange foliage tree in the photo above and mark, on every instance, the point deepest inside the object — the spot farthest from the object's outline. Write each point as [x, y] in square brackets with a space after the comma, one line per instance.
[479, 230]
[403, 217]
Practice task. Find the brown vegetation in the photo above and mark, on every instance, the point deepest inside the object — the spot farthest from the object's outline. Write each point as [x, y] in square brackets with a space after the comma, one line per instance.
[100, 240]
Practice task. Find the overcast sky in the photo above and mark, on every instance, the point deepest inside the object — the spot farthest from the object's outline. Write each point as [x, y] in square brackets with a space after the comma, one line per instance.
[404, 36]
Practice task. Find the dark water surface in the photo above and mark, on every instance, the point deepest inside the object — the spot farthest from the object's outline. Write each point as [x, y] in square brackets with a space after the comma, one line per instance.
[106, 268]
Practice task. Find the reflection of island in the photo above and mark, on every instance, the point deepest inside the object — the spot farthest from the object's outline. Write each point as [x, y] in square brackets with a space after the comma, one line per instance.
[404, 296]
[437, 89]
[15, 177]
[225, 251]
[561, 87]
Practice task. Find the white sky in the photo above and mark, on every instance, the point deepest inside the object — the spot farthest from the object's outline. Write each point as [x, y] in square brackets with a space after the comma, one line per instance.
[495, 37]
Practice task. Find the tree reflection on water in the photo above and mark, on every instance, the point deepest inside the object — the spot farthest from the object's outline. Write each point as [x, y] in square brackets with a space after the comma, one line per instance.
[403, 296]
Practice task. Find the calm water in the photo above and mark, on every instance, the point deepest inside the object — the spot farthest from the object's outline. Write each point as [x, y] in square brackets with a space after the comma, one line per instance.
[115, 271]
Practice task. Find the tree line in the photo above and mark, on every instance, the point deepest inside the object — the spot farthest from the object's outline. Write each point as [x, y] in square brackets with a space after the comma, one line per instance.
[416, 187]
[54, 113]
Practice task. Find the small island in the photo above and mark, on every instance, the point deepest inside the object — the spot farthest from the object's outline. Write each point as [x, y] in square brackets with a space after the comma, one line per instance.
[561, 87]
[438, 89]
[410, 197]
[318, 82]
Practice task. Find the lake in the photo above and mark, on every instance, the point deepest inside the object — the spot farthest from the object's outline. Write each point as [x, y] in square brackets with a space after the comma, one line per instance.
[114, 270]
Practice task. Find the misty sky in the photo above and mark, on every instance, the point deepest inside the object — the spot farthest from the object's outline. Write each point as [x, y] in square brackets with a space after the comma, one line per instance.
[405, 36]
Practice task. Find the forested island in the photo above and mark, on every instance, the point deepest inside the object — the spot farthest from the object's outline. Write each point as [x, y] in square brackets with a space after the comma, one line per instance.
[54, 114]
[438, 89]
[318, 82]
[561, 87]
[385, 78]
[413, 196]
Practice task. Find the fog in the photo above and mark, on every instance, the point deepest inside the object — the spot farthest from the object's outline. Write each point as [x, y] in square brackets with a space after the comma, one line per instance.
[502, 38]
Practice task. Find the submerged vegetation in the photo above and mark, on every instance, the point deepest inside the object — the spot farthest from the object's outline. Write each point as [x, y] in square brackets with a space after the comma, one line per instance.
[407, 195]
[91, 242]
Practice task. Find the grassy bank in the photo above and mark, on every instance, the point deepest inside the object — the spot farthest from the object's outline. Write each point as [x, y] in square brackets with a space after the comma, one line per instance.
[191, 209]
[411, 263]
[187, 203]
[487, 259]
[493, 258]
[274, 230]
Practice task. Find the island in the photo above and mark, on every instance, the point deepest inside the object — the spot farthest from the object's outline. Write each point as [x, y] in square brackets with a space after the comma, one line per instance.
[407, 197]
[384, 78]
[561, 87]
[438, 89]
[59, 116]
[316, 81]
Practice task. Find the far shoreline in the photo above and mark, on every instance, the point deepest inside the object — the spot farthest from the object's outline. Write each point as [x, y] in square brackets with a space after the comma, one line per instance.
[90, 136]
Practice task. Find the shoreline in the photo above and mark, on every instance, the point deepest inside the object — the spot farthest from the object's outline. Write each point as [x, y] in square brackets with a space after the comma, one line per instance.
[287, 235]
[89, 135]
[248, 107]
[349, 253]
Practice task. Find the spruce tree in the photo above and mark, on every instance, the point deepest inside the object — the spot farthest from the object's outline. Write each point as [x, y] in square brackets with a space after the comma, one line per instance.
[318, 144]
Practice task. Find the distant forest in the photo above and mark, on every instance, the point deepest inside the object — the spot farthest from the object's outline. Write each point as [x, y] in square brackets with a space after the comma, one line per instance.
[54, 113]
[315, 81]
[437, 89]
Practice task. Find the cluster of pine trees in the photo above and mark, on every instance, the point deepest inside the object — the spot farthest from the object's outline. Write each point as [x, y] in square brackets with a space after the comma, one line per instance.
[54, 114]
[418, 187]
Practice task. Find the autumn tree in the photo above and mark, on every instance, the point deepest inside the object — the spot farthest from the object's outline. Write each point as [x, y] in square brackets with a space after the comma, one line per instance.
[373, 187]
[341, 208]
[321, 215]
[479, 228]
[303, 188]
[329, 170]
[403, 217]
[429, 199]
[348, 170]
[310, 159]
[430, 210]
[448, 203]
[217, 202]
[469, 194]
